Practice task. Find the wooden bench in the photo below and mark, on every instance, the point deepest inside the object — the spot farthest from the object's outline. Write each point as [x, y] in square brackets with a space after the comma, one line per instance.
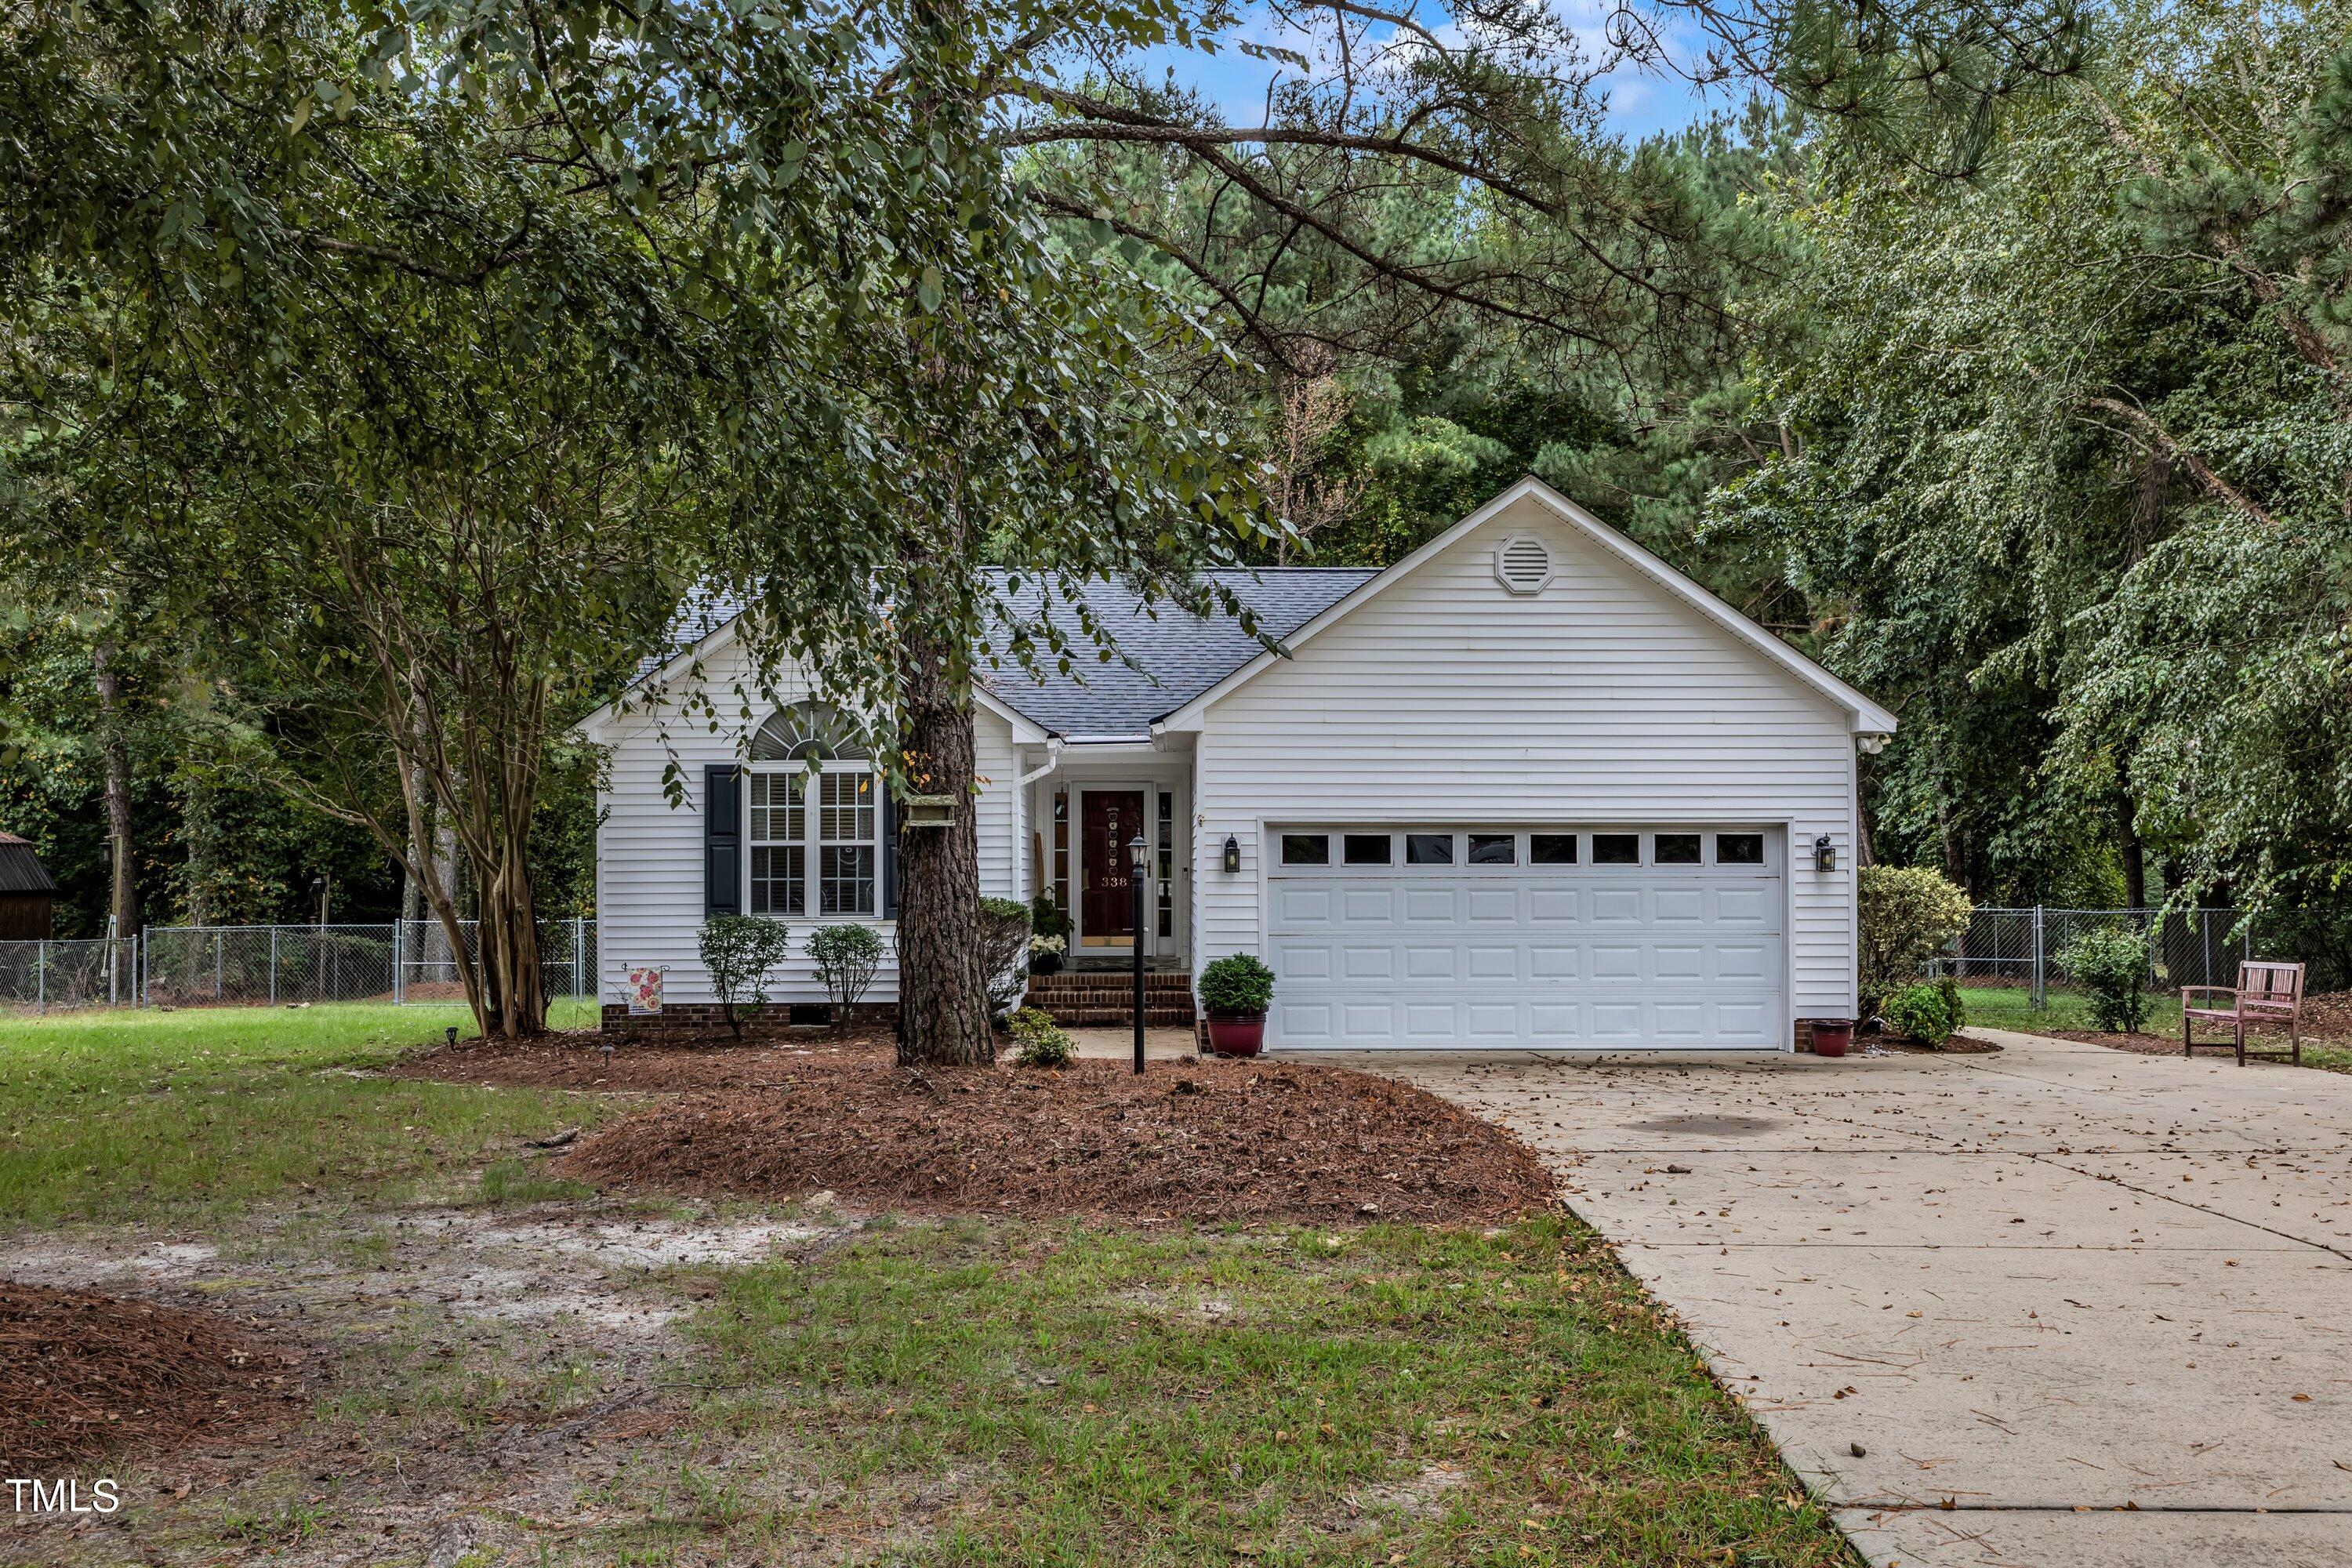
[2266, 994]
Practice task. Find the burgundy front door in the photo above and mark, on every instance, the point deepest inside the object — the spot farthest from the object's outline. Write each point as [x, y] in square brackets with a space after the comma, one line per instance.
[1107, 915]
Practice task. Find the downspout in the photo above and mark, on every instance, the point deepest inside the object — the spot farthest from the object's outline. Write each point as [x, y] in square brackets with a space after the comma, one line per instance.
[1052, 761]
[1021, 795]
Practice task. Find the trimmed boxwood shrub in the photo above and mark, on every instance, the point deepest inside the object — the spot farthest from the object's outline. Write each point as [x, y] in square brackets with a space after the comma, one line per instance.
[1237, 983]
[1927, 1014]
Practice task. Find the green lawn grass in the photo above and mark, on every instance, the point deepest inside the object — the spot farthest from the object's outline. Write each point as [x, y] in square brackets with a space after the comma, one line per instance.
[1077, 1395]
[2012, 1007]
[146, 1113]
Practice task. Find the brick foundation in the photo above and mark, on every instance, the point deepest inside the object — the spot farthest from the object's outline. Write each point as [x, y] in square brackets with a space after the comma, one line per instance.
[616, 1018]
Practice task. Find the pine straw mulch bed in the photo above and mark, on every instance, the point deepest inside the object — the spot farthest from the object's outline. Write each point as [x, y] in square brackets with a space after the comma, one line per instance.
[1215, 1140]
[670, 1059]
[91, 1375]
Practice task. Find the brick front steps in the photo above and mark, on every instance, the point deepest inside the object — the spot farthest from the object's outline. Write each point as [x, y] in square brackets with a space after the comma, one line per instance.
[1101, 997]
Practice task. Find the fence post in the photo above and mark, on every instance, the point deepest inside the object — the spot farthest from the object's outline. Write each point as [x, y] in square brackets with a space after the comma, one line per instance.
[41, 976]
[2041, 993]
[273, 966]
[399, 942]
[579, 941]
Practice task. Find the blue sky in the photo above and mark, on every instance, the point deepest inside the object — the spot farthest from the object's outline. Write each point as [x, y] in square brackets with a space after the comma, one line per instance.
[1640, 102]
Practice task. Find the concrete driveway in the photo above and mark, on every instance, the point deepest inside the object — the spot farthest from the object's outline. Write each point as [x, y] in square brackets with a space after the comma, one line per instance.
[2058, 1307]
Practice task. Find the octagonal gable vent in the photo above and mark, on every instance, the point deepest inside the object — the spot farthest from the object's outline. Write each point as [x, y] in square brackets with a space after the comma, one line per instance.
[1523, 563]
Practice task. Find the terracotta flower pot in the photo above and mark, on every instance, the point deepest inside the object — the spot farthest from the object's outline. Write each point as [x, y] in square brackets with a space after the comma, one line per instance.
[1236, 1033]
[1831, 1036]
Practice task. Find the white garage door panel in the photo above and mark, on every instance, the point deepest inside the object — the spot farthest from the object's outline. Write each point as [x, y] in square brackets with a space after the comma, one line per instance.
[1583, 955]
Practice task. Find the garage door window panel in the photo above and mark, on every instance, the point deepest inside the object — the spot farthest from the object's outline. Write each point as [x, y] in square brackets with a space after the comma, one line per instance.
[1493, 849]
[1551, 848]
[1306, 850]
[1429, 849]
[1739, 850]
[1364, 848]
[1616, 848]
[1675, 849]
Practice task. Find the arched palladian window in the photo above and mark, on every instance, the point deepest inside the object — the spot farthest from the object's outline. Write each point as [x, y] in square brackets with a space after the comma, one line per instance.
[806, 730]
[820, 854]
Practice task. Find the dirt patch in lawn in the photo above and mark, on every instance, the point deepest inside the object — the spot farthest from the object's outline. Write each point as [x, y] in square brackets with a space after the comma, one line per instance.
[91, 1374]
[1215, 1140]
[672, 1059]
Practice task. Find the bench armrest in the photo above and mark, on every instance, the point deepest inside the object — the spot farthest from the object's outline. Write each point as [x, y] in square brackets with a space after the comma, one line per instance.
[2189, 991]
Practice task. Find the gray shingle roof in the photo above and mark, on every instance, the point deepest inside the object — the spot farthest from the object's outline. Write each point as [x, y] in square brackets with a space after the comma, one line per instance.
[1177, 655]
[21, 870]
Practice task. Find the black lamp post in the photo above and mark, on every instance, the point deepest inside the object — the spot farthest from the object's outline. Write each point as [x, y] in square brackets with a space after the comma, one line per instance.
[1136, 864]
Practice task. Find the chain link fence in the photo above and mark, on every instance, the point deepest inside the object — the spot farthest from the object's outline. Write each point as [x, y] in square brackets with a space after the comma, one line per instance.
[197, 966]
[95, 972]
[2029, 947]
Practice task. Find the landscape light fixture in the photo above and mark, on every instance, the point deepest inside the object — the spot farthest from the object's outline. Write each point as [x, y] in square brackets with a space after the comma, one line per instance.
[1138, 862]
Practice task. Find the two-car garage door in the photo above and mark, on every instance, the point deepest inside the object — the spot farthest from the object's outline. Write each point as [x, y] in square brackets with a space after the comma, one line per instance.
[1579, 937]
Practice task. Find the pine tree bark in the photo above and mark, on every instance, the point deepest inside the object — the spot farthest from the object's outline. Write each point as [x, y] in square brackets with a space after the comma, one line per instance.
[115, 760]
[943, 992]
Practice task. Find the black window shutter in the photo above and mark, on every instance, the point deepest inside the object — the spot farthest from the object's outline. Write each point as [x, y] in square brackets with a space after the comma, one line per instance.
[890, 851]
[722, 840]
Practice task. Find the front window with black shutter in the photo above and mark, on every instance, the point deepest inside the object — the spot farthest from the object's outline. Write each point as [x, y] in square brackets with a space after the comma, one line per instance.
[815, 841]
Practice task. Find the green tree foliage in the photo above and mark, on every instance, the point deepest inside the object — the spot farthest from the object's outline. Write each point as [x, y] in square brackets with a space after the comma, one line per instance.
[2068, 477]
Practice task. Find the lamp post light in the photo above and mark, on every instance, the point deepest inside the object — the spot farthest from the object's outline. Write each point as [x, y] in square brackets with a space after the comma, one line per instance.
[1136, 864]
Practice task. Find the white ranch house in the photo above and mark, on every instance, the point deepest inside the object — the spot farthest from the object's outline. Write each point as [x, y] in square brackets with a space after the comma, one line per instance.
[1529, 788]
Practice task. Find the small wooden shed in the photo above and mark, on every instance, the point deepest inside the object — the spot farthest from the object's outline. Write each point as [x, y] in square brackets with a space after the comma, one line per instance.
[26, 893]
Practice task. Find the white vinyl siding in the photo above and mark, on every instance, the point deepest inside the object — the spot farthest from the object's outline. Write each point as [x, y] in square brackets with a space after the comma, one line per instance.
[649, 856]
[1448, 699]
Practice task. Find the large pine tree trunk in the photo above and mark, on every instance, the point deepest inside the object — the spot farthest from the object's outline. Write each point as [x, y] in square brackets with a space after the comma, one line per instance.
[115, 759]
[943, 992]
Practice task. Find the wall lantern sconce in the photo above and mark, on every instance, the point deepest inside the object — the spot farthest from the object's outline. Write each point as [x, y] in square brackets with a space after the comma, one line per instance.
[1824, 854]
[927, 811]
[1233, 855]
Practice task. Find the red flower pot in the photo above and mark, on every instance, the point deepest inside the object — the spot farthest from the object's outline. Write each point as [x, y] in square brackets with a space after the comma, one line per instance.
[1236, 1033]
[1831, 1036]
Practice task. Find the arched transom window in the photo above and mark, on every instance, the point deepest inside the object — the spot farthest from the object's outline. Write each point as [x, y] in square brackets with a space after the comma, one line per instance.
[815, 840]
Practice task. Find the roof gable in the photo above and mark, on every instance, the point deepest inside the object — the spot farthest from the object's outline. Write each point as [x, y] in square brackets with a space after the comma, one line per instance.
[1863, 715]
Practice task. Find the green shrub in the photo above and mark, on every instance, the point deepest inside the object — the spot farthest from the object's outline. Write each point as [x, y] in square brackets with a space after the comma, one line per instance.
[1921, 1013]
[1239, 983]
[1003, 952]
[2112, 965]
[738, 952]
[1038, 1041]
[1909, 914]
[846, 957]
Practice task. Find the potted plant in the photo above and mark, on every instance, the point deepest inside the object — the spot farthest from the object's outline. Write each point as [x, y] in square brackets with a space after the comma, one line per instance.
[1047, 953]
[1831, 1036]
[1234, 993]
